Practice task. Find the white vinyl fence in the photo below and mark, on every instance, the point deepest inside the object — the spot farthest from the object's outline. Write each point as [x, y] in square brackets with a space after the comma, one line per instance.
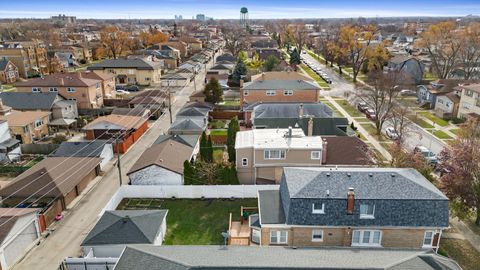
[186, 192]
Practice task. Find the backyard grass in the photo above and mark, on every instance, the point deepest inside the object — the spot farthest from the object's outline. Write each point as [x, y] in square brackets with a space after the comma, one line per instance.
[436, 120]
[441, 135]
[461, 251]
[218, 132]
[231, 103]
[194, 222]
[218, 154]
[311, 73]
[352, 111]
[218, 124]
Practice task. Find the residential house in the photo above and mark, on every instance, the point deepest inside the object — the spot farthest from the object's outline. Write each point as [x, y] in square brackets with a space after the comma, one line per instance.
[192, 66]
[157, 165]
[108, 82]
[446, 106]
[174, 80]
[29, 57]
[192, 141]
[19, 232]
[408, 65]
[64, 112]
[116, 229]
[156, 100]
[313, 118]
[194, 45]
[85, 91]
[225, 57]
[128, 128]
[427, 94]
[8, 71]
[97, 149]
[27, 126]
[210, 257]
[190, 121]
[179, 45]
[261, 154]
[9, 147]
[469, 100]
[130, 71]
[49, 186]
[221, 68]
[352, 207]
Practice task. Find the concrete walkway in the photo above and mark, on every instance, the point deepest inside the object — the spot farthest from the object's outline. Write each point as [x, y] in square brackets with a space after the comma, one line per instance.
[467, 233]
[370, 139]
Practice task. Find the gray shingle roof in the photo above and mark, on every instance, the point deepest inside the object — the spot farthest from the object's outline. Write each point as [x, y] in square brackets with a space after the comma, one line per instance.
[271, 207]
[123, 63]
[265, 258]
[188, 140]
[80, 149]
[188, 124]
[280, 85]
[193, 111]
[126, 227]
[369, 183]
[28, 101]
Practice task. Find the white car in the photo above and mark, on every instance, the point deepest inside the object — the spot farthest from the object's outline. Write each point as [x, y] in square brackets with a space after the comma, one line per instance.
[122, 92]
[392, 133]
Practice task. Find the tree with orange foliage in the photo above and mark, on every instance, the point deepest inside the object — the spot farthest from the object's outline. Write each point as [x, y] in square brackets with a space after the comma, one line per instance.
[114, 41]
[148, 39]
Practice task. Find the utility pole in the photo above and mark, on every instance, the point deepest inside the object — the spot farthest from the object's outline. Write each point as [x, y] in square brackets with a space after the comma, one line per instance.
[169, 101]
[195, 80]
[117, 140]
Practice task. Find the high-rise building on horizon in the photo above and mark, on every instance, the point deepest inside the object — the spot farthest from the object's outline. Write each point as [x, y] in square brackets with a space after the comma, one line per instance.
[201, 17]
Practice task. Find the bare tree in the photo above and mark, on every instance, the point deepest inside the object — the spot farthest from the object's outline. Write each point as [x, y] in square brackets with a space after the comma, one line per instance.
[469, 52]
[400, 121]
[380, 97]
[235, 40]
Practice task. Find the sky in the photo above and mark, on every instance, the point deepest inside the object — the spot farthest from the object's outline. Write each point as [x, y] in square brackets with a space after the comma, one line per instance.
[226, 9]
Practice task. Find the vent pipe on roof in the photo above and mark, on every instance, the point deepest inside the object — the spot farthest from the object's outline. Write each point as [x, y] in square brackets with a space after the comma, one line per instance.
[290, 132]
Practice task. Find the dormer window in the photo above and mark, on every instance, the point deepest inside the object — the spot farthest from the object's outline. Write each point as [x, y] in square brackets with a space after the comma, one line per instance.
[318, 208]
[367, 211]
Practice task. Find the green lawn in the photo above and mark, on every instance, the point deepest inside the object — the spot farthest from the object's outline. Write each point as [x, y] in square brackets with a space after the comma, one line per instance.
[441, 135]
[231, 103]
[218, 154]
[194, 222]
[437, 120]
[218, 124]
[409, 102]
[373, 131]
[319, 59]
[334, 109]
[218, 132]
[362, 120]
[422, 123]
[352, 111]
[311, 73]
[461, 251]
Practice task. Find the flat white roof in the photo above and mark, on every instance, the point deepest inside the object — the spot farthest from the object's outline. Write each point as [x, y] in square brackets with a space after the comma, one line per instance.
[277, 139]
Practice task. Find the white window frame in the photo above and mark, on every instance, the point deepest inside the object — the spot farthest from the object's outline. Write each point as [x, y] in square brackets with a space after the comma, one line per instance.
[245, 92]
[71, 89]
[316, 152]
[318, 210]
[361, 234]
[425, 238]
[52, 89]
[36, 89]
[278, 236]
[244, 161]
[288, 92]
[317, 232]
[271, 93]
[367, 215]
[281, 154]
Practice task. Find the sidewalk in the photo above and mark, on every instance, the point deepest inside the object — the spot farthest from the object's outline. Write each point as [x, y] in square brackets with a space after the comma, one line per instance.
[468, 234]
[362, 131]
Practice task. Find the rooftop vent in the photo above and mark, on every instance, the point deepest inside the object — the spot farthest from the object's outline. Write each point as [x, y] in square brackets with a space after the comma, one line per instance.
[370, 174]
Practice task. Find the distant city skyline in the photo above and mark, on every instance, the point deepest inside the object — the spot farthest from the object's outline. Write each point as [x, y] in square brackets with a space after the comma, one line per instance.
[268, 9]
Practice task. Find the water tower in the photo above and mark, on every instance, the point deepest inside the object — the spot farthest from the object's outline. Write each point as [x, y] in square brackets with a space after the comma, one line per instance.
[244, 16]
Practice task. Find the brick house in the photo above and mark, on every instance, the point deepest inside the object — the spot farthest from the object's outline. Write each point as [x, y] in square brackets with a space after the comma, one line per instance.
[351, 207]
[29, 57]
[26, 126]
[282, 90]
[129, 128]
[130, 71]
[8, 71]
[469, 100]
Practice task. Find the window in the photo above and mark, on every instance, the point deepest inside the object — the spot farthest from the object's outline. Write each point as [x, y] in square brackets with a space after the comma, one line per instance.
[274, 154]
[366, 238]
[428, 239]
[288, 92]
[367, 210]
[469, 93]
[318, 208]
[36, 89]
[271, 92]
[317, 235]
[245, 92]
[315, 155]
[38, 123]
[70, 89]
[278, 237]
[244, 161]
[53, 89]
[147, 79]
[72, 99]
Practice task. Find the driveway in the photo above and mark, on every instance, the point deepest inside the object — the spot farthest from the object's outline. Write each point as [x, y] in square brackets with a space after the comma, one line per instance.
[69, 233]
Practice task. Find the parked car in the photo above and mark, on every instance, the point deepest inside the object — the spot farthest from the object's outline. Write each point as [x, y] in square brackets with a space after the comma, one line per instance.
[370, 113]
[327, 80]
[362, 106]
[407, 92]
[121, 92]
[392, 133]
[429, 156]
[132, 88]
[119, 87]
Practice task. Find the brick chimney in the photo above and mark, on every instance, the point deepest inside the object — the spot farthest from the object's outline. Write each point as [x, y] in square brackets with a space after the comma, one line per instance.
[62, 82]
[80, 75]
[350, 201]
[324, 151]
[300, 110]
[241, 83]
[310, 127]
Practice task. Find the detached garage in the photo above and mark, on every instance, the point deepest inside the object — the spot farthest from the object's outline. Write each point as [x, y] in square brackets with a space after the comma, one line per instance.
[18, 233]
